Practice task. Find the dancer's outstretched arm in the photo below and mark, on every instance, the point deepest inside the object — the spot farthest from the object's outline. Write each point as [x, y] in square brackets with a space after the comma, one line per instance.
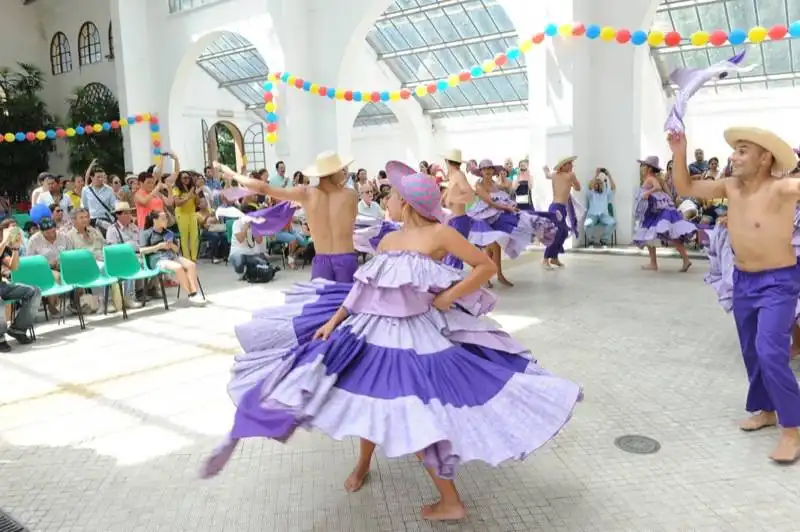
[297, 194]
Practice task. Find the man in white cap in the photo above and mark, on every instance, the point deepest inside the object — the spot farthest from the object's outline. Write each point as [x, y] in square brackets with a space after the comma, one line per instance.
[458, 195]
[766, 278]
[564, 181]
[330, 210]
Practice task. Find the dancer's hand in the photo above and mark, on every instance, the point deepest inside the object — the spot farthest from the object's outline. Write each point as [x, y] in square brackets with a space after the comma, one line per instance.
[325, 331]
[722, 221]
[677, 142]
[443, 301]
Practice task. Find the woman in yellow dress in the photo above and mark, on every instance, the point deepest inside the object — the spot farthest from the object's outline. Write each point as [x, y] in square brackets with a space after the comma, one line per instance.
[185, 208]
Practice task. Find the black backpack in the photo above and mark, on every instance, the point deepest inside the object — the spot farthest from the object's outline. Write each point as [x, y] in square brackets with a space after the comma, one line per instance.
[259, 272]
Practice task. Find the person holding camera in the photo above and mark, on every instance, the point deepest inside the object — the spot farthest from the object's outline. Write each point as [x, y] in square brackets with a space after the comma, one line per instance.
[153, 194]
[27, 297]
[599, 220]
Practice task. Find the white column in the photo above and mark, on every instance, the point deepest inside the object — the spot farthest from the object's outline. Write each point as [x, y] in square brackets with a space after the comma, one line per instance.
[134, 78]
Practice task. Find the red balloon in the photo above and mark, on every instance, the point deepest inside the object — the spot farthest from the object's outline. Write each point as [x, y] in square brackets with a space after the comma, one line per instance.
[431, 88]
[30, 135]
[2, 139]
[138, 118]
[156, 143]
[153, 119]
[718, 38]
[578, 29]
[500, 59]
[465, 76]
[298, 83]
[375, 96]
[348, 95]
[89, 129]
[672, 38]
[623, 36]
[777, 32]
[322, 91]
[538, 38]
[60, 133]
[268, 97]
[405, 94]
[272, 128]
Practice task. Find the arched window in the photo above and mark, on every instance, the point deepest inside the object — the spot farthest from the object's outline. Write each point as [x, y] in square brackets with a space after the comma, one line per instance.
[110, 41]
[90, 48]
[60, 54]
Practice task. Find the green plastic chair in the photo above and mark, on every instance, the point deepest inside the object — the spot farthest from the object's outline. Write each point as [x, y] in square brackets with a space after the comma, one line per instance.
[35, 271]
[122, 262]
[79, 268]
[21, 218]
[229, 229]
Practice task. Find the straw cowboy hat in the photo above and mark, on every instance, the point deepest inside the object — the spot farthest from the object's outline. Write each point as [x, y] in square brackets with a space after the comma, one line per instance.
[453, 155]
[564, 161]
[328, 163]
[652, 161]
[784, 155]
[123, 206]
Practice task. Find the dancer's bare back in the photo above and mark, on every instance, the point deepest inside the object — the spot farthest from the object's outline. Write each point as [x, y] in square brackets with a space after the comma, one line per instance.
[563, 183]
[459, 193]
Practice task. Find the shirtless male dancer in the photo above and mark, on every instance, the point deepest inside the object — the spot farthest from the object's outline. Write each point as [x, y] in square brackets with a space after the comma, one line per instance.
[457, 197]
[564, 181]
[330, 209]
[766, 277]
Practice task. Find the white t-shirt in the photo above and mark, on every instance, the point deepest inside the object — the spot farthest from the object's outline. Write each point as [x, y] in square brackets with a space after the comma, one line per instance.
[249, 246]
[373, 210]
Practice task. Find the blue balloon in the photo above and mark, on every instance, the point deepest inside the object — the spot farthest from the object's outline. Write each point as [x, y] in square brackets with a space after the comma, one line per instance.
[272, 117]
[476, 72]
[20, 136]
[513, 53]
[155, 128]
[357, 96]
[331, 92]
[79, 130]
[39, 211]
[794, 29]
[385, 96]
[737, 36]
[639, 37]
[551, 30]
[51, 134]
[441, 85]
[131, 120]
[107, 126]
[268, 86]
[285, 77]
[592, 31]
[306, 86]
[156, 151]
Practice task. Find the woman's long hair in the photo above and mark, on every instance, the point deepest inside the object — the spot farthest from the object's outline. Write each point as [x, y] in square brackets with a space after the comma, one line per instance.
[184, 188]
[150, 219]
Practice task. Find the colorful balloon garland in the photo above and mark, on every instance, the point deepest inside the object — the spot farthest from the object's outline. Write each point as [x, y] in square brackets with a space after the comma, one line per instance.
[92, 129]
[653, 38]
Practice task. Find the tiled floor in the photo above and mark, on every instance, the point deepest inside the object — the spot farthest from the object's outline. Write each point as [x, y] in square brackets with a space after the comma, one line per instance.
[104, 430]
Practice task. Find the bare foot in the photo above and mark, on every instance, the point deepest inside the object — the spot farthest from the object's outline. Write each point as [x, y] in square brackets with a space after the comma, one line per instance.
[444, 512]
[759, 421]
[788, 450]
[504, 281]
[686, 266]
[546, 265]
[556, 262]
[650, 267]
[356, 479]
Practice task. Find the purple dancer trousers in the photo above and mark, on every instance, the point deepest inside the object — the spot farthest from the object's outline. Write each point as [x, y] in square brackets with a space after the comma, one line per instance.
[764, 306]
[338, 267]
[462, 224]
[553, 250]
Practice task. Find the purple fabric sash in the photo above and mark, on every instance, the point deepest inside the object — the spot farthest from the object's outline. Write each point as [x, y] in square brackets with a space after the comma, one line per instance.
[572, 218]
[275, 218]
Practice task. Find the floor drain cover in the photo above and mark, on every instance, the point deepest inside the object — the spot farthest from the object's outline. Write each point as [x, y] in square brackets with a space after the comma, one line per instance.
[8, 524]
[637, 444]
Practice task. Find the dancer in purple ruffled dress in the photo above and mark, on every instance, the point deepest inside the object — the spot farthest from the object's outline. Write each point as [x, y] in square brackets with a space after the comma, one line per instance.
[405, 362]
[657, 217]
[498, 223]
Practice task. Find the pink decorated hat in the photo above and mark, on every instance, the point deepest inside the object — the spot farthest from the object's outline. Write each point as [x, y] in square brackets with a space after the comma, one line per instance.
[417, 189]
[487, 163]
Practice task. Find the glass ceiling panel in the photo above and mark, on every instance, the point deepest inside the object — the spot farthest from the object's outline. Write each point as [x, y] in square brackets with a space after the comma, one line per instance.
[234, 63]
[374, 114]
[778, 62]
[422, 42]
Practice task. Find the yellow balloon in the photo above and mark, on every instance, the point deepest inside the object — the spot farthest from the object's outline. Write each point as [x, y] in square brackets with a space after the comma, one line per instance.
[9, 137]
[40, 135]
[655, 38]
[146, 117]
[272, 137]
[97, 128]
[314, 88]
[608, 33]
[489, 65]
[123, 122]
[270, 107]
[421, 90]
[70, 132]
[757, 34]
[453, 80]
[525, 46]
[340, 94]
[699, 38]
[273, 76]
[394, 96]
[155, 136]
[565, 30]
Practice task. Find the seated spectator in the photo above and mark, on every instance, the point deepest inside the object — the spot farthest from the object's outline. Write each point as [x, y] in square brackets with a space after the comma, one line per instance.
[598, 218]
[84, 236]
[74, 191]
[246, 248]
[212, 231]
[49, 242]
[296, 243]
[125, 231]
[60, 218]
[366, 205]
[28, 230]
[161, 252]
[27, 297]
